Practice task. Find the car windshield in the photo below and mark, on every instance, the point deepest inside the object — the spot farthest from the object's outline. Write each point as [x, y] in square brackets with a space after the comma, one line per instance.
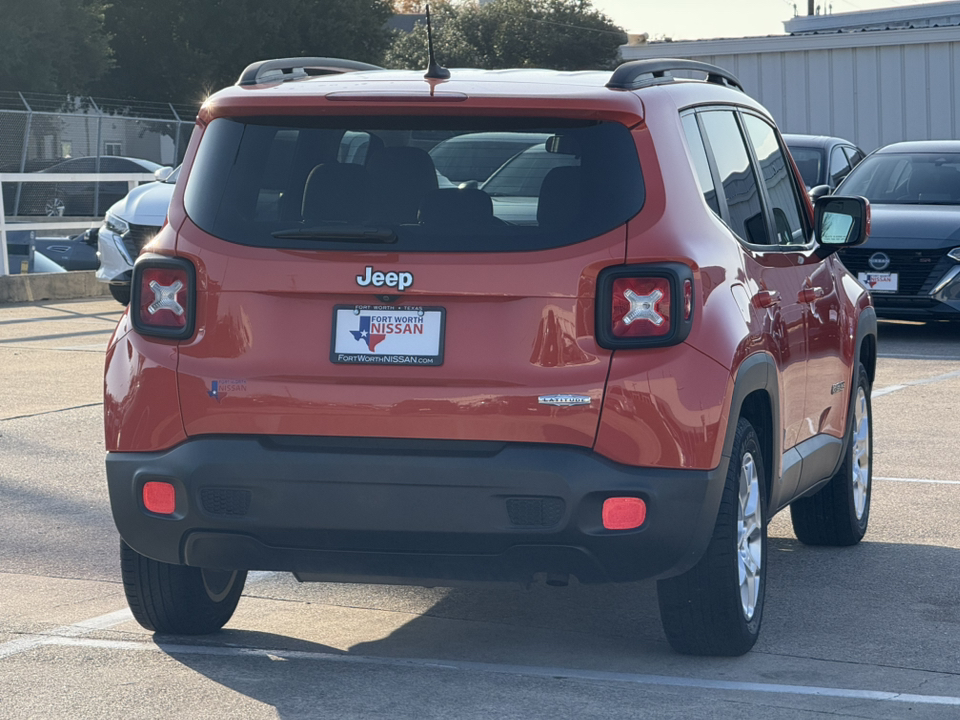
[808, 161]
[341, 182]
[906, 179]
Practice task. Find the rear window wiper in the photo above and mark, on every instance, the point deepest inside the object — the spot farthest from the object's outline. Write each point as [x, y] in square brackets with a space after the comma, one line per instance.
[340, 233]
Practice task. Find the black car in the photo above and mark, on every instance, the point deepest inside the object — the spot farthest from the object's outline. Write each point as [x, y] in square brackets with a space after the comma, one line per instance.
[911, 262]
[75, 198]
[823, 160]
[74, 253]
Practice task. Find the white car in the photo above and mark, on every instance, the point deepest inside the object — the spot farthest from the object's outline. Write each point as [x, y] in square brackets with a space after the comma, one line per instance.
[129, 225]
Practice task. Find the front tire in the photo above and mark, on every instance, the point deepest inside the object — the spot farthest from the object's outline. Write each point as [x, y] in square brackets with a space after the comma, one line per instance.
[178, 599]
[715, 608]
[838, 514]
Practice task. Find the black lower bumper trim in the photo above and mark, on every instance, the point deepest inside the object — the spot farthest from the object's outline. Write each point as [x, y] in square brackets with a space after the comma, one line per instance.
[435, 513]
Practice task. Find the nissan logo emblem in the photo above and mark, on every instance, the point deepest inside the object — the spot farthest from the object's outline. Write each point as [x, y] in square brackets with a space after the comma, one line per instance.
[879, 261]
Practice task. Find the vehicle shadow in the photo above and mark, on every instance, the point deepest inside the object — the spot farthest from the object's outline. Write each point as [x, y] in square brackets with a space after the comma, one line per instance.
[914, 340]
[828, 610]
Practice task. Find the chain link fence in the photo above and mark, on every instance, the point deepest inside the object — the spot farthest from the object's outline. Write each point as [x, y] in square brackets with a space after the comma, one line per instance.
[56, 134]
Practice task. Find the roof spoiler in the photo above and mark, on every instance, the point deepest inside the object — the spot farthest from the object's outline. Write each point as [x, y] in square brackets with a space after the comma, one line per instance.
[285, 69]
[641, 73]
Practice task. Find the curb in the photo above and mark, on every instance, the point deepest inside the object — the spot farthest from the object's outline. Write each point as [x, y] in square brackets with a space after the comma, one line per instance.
[51, 286]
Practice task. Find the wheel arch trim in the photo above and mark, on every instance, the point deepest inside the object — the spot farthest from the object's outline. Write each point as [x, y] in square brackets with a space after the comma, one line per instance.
[757, 377]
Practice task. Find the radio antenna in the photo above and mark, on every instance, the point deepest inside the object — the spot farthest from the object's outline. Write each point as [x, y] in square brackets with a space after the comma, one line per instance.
[434, 70]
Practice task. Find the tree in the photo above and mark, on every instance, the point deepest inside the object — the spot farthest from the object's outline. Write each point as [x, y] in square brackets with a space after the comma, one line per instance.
[558, 34]
[181, 50]
[53, 46]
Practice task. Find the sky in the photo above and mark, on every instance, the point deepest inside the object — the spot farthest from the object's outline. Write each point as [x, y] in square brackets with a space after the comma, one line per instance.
[697, 19]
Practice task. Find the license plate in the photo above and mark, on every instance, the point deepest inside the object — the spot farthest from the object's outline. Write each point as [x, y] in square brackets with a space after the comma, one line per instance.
[387, 335]
[879, 282]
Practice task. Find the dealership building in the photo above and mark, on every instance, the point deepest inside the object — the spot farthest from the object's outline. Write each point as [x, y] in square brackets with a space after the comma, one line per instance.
[874, 77]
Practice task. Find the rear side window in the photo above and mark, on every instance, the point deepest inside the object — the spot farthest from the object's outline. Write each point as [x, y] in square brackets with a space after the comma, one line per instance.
[700, 163]
[854, 155]
[737, 179]
[839, 166]
[335, 183]
[778, 180]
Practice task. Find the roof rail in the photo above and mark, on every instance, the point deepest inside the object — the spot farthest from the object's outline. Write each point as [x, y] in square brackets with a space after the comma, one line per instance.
[292, 68]
[656, 71]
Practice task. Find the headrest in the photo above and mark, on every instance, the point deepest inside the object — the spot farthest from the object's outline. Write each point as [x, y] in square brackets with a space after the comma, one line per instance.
[560, 197]
[334, 191]
[453, 206]
[399, 178]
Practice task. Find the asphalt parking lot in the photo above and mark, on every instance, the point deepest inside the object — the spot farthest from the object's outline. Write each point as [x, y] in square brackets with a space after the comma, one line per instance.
[866, 632]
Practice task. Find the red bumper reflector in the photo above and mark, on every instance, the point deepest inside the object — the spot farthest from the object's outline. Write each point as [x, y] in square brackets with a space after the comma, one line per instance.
[623, 513]
[160, 498]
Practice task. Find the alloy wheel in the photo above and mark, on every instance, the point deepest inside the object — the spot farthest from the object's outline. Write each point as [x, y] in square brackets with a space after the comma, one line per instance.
[54, 207]
[749, 536]
[861, 453]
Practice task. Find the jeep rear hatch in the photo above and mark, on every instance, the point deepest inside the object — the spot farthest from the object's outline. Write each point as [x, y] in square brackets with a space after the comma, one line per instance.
[347, 287]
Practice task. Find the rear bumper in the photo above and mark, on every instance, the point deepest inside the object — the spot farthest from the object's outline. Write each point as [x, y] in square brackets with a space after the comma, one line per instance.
[411, 512]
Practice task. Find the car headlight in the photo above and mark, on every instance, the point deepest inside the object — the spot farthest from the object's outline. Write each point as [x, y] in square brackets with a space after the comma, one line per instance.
[115, 224]
[954, 254]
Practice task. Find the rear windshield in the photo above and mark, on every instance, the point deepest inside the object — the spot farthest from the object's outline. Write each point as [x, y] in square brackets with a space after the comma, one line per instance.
[413, 184]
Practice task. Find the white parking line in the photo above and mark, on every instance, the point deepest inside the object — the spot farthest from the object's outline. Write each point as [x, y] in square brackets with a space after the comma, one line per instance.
[29, 642]
[517, 670]
[913, 356]
[919, 480]
[102, 622]
[925, 381]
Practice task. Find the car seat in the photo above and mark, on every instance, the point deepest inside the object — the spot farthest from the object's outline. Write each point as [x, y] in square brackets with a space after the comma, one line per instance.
[398, 180]
[459, 208]
[560, 198]
[334, 192]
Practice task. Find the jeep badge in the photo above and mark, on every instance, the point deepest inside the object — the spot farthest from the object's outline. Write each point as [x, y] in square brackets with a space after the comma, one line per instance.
[399, 280]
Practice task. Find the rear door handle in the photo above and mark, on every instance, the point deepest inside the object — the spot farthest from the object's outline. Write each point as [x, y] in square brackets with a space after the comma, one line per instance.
[766, 298]
[810, 294]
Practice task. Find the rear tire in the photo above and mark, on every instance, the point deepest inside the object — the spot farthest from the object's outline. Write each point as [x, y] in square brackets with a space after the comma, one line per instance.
[838, 514]
[715, 608]
[121, 293]
[177, 599]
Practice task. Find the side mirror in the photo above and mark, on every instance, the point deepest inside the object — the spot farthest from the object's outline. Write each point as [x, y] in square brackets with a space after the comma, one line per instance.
[815, 192]
[161, 174]
[90, 237]
[841, 222]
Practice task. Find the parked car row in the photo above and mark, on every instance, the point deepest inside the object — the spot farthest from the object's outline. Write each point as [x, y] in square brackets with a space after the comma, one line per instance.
[73, 198]
[823, 160]
[130, 224]
[911, 263]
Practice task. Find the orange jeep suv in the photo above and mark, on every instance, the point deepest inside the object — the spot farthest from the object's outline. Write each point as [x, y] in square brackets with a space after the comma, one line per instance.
[616, 358]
